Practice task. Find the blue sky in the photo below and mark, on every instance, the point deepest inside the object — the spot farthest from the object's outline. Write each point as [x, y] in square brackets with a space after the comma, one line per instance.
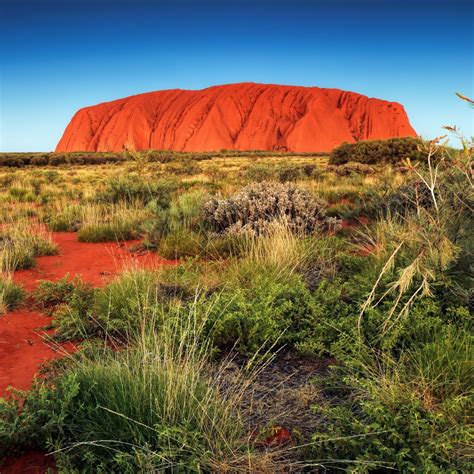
[59, 56]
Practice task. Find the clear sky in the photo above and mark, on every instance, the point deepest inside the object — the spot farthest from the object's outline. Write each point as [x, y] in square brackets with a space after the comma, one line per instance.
[59, 56]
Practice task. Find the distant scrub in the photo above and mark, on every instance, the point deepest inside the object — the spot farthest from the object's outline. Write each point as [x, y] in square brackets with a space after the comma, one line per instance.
[20, 160]
[259, 172]
[372, 152]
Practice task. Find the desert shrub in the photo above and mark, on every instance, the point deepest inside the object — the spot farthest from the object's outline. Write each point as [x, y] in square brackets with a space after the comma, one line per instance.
[64, 219]
[49, 295]
[283, 253]
[57, 160]
[183, 214]
[184, 167]
[21, 194]
[257, 318]
[371, 152]
[452, 191]
[70, 303]
[284, 173]
[135, 300]
[259, 172]
[130, 302]
[258, 204]
[410, 415]
[408, 197]
[39, 160]
[288, 173]
[11, 161]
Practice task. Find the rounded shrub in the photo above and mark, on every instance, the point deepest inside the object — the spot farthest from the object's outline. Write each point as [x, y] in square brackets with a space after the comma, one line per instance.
[259, 204]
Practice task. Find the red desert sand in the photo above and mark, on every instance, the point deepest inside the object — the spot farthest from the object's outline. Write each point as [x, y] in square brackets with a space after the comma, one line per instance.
[244, 116]
[23, 341]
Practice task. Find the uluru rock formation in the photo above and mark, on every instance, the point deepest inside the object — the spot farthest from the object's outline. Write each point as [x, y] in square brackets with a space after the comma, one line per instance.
[244, 116]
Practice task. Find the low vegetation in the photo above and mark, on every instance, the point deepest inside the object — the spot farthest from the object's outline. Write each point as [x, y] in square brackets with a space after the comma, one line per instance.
[362, 265]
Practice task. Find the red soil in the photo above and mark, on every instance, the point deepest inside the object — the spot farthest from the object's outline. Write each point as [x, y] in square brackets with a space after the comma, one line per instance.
[33, 462]
[94, 263]
[23, 347]
[244, 116]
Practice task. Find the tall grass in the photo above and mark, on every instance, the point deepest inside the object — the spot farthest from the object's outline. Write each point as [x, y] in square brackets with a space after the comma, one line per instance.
[282, 252]
[22, 241]
[11, 294]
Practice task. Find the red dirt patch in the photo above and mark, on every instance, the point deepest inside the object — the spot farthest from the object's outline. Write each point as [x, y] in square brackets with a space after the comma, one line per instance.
[24, 347]
[94, 263]
[33, 462]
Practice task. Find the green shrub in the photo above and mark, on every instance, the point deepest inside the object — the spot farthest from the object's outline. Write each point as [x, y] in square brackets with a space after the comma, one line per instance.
[410, 415]
[183, 215]
[256, 318]
[253, 208]
[71, 303]
[349, 169]
[181, 243]
[183, 167]
[128, 303]
[372, 152]
[21, 244]
[259, 172]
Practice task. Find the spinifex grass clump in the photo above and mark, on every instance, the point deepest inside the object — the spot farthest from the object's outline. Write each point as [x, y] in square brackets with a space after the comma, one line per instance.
[21, 242]
[11, 294]
[133, 187]
[253, 208]
[110, 223]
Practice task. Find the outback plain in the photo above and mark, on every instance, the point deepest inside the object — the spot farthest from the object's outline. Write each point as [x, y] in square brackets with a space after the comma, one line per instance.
[237, 311]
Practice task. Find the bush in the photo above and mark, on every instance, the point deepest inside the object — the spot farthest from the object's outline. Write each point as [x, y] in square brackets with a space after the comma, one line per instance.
[183, 215]
[21, 244]
[130, 302]
[352, 168]
[70, 302]
[410, 415]
[49, 295]
[372, 152]
[181, 243]
[253, 208]
[257, 318]
[259, 172]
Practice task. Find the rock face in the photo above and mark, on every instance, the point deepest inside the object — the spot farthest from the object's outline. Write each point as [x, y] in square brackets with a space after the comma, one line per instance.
[243, 116]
